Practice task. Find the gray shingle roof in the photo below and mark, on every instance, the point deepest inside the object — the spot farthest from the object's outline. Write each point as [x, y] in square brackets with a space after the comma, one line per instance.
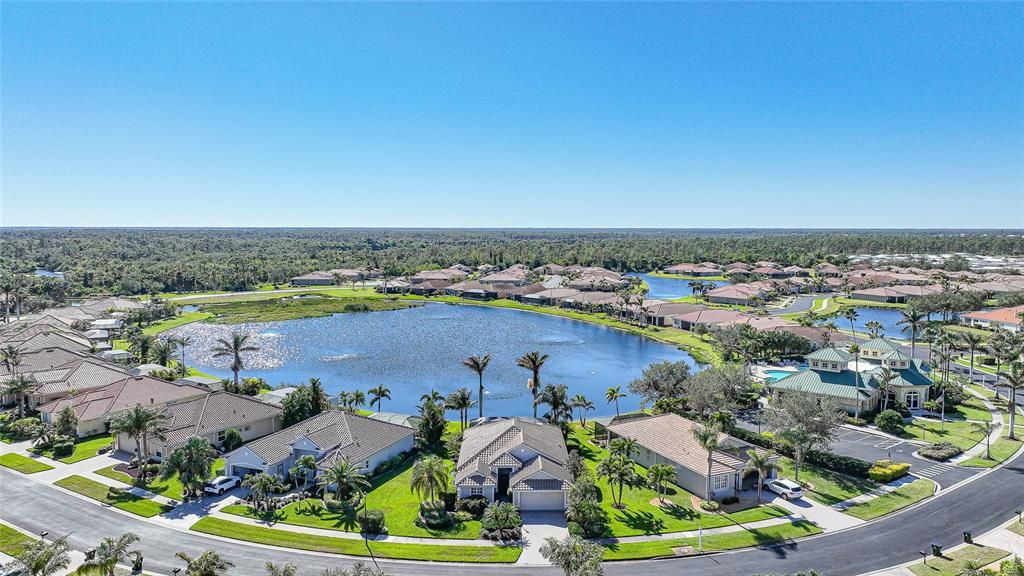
[212, 413]
[44, 360]
[481, 444]
[521, 480]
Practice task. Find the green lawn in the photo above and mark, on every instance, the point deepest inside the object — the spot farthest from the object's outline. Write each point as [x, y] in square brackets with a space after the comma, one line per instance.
[390, 494]
[972, 409]
[952, 563]
[179, 320]
[822, 307]
[887, 503]
[827, 486]
[12, 542]
[103, 493]
[288, 308]
[170, 488]
[1017, 528]
[961, 434]
[642, 517]
[986, 392]
[356, 547]
[85, 448]
[713, 542]
[1000, 450]
[23, 464]
[977, 365]
[960, 328]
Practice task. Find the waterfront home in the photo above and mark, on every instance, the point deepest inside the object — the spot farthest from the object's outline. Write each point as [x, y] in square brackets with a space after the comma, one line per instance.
[430, 287]
[328, 437]
[668, 439]
[1007, 318]
[738, 266]
[472, 290]
[551, 297]
[606, 301]
[448, 274]
[517, 293]
[521, 460]
[393, 286]
[898, 294]
[79, 375]
[742, 294]
[210, 384]
[709, 318]
[318, 278]
[210, 416]
[661, 313]
[95, 409]
[276, 396]
[704, 269]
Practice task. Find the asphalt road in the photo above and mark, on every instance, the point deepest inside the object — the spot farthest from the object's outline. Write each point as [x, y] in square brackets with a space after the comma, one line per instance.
[979, 505]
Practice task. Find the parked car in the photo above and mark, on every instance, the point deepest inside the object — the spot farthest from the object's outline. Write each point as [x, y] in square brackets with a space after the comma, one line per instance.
[222, 484]
[785, 488]
[12, 570]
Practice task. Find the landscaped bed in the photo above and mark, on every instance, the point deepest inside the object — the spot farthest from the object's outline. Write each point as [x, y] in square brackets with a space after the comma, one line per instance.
[12, 542]
[904, 496]
[85, 448]
[641, 517]
[356, 547]
[23, 464]
[713, 542]
[952, 563]
[827, 486]
[1000, 450]
[170, 488]
[112, 496]
[390, 493]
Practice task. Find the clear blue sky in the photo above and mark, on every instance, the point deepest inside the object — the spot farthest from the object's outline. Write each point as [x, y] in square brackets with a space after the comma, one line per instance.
[513, 115]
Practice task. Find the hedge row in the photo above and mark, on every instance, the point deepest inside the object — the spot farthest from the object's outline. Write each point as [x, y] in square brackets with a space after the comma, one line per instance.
[836, 462]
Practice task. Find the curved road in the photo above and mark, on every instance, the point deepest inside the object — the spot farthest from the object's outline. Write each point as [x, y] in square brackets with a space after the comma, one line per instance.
[979, 505]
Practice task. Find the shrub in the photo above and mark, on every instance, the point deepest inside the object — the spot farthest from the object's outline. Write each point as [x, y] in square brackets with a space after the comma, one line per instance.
[25, 427]
[434, 515]
[835, 462]
[372, 522]
[730, 500]
[886, 471]
[709, 506]
[889, 421]
[575, 529]
[474, 506]
[232, 440]
[855, 421]
[462, 516]
[503, 520]
[449, 499]
[63, 446]
[574, 464]
[940, 451]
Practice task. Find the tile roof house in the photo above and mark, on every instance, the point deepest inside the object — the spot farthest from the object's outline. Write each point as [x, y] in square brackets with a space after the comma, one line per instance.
[519, 457]
[96, 408]
[328, 436]
[317, 278]
[668, 439]
[1008, 318]
[79, 375]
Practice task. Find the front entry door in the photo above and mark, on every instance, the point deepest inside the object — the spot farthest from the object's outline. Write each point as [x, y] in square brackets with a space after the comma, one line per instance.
[913, 400]
[502, 491]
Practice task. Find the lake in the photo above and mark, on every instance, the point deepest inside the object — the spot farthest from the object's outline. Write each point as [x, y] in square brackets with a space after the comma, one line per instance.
[889, 317]
[414, 350]
[669, 288]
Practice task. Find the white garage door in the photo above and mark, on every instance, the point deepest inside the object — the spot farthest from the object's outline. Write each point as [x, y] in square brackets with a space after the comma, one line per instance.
[541, 501]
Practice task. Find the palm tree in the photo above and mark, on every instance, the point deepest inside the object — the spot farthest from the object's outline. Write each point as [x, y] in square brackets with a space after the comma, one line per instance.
[10, 357]
[973, 342]
[357, 399]
[556, 396]
[619, 471]
[304, 465]
[707, 438]
[584, 405]
[763, 464]
[1013, 380]
[163, 351]
[233, 349]
[429, 477]
[379, 394]
[109, 553]
[461, 401]
[914, 320]
[183, 342]
[875, 328]
[318, 397]
[658, 476]
[142, 346]
[345, 477]
[533, 361]
[139, 423]
[623, 446]
[208, 563]
[285, 569]
[986, 428]
[19, 387]
[192, 462]
[478, 364]
[261, 486]
[612, 395]
[851, 315]
[433, 396]
[885, 379]
[44, 558]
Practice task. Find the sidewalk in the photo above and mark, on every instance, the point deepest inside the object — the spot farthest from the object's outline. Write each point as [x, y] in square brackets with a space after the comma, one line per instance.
[881, 490]
[707, 532]
[979, 448]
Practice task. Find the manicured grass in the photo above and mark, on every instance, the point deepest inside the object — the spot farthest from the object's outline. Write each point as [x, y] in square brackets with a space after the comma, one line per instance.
[85, 448]
[826, 486]
[12, 542]
[642, 517]
[111, 496]
[985, 334]
[1016, 528]
[23, 464]
[977, 365]
[972, 409]
[355, 547]
[179, 320]
[848, 302]
[1000, 450]
[822, 307]
[952, 563]
[390, 494]
[284, 292]
[170, 488]
[288, 308]
[961, 434]
[713, 542]
[887, 503]
[986, 392]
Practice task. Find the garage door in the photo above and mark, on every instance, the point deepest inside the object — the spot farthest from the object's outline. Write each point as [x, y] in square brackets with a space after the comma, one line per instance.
[541, 501]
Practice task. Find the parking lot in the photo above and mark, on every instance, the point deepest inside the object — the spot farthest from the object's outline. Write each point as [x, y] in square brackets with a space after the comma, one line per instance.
[871, 447]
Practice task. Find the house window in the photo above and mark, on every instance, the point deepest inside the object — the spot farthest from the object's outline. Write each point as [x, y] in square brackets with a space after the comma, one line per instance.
[476, 491]
[720, 482]
[246, 429]
[220, 435]
[835, 366]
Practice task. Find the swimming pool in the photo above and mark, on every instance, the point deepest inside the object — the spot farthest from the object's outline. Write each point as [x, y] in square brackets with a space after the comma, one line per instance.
[773, 375]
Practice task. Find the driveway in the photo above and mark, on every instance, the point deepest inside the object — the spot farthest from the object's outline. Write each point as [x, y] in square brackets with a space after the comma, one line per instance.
[800, 304]
[538, 526]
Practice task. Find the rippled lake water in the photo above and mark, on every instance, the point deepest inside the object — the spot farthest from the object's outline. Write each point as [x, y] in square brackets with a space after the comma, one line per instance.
[669, 288]
[416, 349]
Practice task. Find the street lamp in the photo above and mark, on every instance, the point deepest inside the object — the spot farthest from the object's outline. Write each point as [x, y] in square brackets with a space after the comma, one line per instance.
[175, 571]
[44, 534]
[924, 556]
[1018, 513]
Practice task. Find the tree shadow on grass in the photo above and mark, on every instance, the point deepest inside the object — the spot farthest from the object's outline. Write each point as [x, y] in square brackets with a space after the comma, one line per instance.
[643, 521]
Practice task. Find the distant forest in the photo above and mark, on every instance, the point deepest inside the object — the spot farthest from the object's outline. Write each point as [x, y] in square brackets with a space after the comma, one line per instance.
[136, 261]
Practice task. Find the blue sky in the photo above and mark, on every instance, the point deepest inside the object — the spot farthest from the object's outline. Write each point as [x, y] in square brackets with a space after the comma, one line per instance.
[513, 115]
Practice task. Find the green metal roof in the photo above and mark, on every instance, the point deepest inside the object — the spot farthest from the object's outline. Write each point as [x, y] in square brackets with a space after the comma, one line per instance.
[912, 376]
[879, 344]
[836, 384]
[896, 355]
[830, 354]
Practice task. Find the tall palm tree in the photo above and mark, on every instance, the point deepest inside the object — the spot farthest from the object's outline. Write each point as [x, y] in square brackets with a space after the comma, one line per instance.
[851, 315]
[345, 477]
[875, 328]
[318, 397]
[432, 396]
[763, 464]
[233, 349]
[584, 405]
[10, 357]
[139, 423]
[142, 346]
[429, 477]
[208, 563]
[986, 428]
[886, 377]
[379, 394]
[612, 395]
[19, 388]
[478, 364]
[183, 342]
[304, 466]
[559, 408]
[619, 471]
[914, 320]
[1013, 380]
[659, 476]
[973, 342]
[623, 446]
[192, 462]
[461, 401]
[109, 553]
[163, 351]
[533, 361]
[707, 437]
[44, 558]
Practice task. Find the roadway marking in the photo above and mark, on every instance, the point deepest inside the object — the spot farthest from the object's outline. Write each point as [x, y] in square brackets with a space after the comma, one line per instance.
[935, 470]
[888, 444]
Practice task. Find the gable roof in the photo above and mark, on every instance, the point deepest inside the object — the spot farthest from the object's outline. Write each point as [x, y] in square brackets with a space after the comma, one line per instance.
[823, 383]
[523, 479]
[82, 375]
[43, 360]
[486, 442]
[879, 344]
[212, 413]
[54, 339]
[123, 395]
[830, 354]
[671, 436]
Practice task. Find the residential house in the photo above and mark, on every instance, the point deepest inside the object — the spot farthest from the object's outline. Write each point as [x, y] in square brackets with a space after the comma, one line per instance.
[317, 278]
[552, 297]
[210, 384]
[1007, 318]
[276, 396]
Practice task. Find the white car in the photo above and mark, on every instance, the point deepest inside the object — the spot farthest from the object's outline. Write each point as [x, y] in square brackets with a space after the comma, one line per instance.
[222, 484]
[785, 488]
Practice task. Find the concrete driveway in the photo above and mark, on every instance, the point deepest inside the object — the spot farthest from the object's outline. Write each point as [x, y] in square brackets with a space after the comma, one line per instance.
[538, 526]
